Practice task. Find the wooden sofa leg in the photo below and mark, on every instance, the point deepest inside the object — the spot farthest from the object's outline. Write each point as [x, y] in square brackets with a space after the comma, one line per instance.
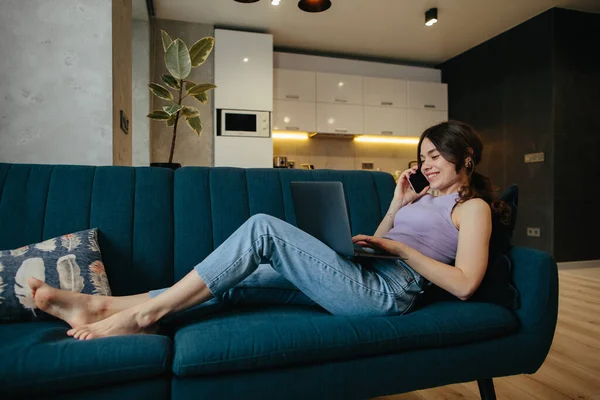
[486, 389]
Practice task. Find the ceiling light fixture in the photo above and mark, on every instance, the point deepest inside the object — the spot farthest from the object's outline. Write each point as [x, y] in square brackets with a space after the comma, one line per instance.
[246, 1]
[314, 6]
[275, 2]
[431, 17]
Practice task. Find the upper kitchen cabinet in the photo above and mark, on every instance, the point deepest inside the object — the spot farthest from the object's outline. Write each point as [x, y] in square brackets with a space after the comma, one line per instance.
[384, 92]
[427, 95]
[339, 118]
[340, 89]
[291, 115]
[384, 121]
[243, 70]
[295, 85]
[420, 120]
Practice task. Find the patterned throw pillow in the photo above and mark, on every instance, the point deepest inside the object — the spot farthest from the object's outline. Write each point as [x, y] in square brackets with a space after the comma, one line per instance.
[70, 262]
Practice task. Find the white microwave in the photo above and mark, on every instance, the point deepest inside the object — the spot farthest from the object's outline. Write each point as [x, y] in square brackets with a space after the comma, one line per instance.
[246, 123]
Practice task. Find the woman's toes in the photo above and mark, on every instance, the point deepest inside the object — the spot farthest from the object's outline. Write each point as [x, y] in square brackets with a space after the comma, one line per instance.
[34, 283]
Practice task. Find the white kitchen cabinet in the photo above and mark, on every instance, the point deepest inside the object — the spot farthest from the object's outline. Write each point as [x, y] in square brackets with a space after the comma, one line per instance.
[427, 95]
[339, 118]
[420, 120]
[385, 121]
[243, 70]
[340, 89]
[290, 115]
[243, 152]
[295, 85]
[384, 92]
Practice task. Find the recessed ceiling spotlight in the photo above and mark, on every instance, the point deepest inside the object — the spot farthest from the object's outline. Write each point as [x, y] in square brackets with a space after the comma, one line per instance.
[275, 2]
[431, 17]
[246, 1]
[314, 5]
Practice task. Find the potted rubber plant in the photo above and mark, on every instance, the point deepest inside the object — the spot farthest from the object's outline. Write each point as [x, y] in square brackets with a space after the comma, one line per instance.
[175, 87]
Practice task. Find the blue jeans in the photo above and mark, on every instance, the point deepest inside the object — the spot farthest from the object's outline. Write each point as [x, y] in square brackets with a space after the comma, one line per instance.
[267, 260]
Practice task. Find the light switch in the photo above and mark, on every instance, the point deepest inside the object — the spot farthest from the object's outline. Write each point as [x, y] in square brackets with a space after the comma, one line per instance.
[124, 122]
[534, 157]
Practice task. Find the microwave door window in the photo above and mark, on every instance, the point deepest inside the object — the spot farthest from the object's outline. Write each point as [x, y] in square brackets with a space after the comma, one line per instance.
[240, 122]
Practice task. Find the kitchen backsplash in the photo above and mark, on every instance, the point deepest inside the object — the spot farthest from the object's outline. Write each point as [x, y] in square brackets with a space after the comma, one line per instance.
[333, 153]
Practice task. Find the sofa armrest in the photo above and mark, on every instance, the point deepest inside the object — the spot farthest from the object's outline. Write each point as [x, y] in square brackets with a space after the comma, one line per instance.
[536, 276]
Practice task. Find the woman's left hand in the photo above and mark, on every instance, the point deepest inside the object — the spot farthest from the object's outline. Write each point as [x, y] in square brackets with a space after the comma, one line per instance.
[389, 245]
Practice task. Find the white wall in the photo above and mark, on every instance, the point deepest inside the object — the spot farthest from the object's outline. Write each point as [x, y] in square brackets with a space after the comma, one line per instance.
[56, 81]
[140, 125]
[354, 67]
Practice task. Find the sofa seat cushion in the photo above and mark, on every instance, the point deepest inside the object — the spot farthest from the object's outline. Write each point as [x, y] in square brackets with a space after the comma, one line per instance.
[277, 336]
[40, 357]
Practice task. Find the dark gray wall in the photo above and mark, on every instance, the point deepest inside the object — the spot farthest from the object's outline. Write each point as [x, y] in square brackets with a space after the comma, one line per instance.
[503, 88]
[536, 88]
[577, 135]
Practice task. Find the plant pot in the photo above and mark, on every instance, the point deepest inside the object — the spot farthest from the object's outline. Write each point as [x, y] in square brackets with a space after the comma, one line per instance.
[172, 166]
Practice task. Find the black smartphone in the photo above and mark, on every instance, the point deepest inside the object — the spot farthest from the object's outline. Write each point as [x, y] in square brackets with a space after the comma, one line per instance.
[417, 181]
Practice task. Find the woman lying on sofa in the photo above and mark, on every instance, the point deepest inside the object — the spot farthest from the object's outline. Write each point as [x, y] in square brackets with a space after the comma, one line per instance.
[431, 233]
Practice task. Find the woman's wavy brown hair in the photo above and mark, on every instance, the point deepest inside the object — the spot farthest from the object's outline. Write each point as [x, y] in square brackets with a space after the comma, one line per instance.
[457, 142]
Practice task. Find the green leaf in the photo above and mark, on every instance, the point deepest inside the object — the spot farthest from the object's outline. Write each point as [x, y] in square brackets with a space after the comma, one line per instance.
[189, 85]
[201, 88]
[190, 112]
[200, 51]
[170, 82]
[160, 91]
[202, 97]
[172, 119]
[195, 124]
[158, 114]
[177, 59]
[172, 109]
[166, 39]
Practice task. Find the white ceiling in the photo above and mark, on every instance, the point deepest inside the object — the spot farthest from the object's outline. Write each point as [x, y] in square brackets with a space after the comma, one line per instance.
[378, 29]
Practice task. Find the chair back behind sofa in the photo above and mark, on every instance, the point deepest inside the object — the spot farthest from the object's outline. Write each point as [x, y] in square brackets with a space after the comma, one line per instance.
[156, 224]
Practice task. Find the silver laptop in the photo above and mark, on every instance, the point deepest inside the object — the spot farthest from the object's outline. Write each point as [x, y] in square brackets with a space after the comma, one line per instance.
[321, 212]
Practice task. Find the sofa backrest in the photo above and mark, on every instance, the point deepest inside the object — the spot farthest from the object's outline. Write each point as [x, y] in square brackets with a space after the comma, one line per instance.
[155, 224]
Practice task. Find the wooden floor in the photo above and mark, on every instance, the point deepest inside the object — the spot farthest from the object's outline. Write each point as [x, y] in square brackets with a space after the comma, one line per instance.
[572, 368]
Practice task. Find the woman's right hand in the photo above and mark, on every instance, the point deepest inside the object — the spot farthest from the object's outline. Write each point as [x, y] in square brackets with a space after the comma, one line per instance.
[404, 194]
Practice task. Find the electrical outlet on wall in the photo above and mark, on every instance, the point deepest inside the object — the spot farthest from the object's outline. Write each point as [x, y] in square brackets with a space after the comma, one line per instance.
[367, 165]
[533, 232]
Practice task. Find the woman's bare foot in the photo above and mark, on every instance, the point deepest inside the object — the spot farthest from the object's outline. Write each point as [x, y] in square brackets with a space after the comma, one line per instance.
[128, 322]
[79, 309]
[74, 308]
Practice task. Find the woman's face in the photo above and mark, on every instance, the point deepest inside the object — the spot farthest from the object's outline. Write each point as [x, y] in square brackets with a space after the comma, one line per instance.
[439, 172]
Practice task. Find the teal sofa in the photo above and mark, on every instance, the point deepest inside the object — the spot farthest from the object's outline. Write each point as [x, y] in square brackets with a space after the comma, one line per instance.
[155, 225]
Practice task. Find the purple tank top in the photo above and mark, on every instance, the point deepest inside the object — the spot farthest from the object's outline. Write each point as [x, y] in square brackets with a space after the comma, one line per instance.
[427, 227]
